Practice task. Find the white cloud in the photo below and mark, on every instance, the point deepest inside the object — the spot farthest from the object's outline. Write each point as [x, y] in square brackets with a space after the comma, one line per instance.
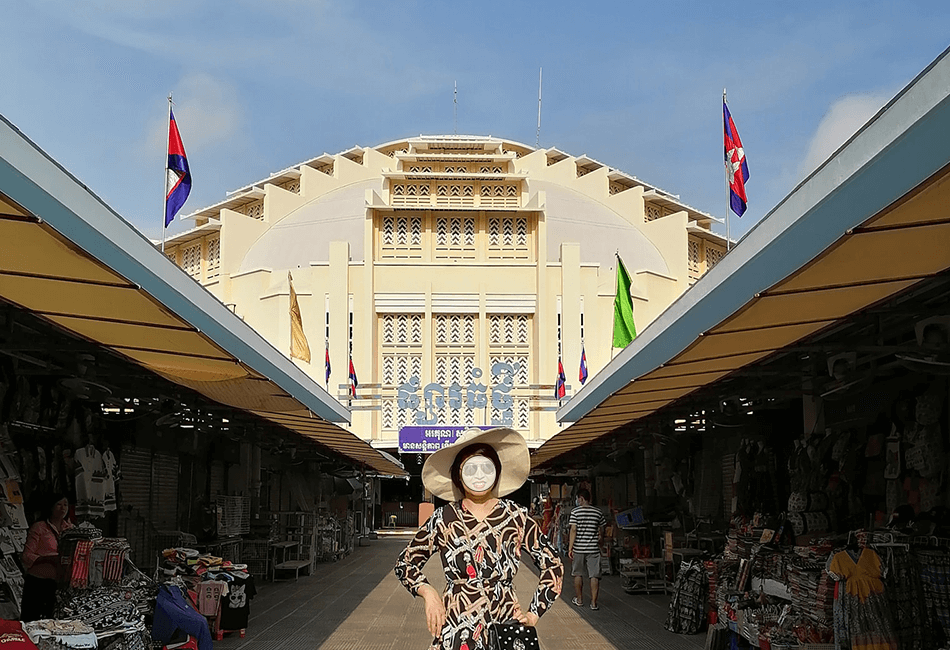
[207, 111]
[843, 119]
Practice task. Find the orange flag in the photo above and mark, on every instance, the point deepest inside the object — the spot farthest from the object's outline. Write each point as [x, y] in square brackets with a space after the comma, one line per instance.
[299, 348]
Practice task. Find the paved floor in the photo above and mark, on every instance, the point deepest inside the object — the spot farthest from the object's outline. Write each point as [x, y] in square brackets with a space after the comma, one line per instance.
[357, 604]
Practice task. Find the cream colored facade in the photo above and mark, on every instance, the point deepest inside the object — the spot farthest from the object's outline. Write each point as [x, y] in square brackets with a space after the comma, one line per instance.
[434, 256]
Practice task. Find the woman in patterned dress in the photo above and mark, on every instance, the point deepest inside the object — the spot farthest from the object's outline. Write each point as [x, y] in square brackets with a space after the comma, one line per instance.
[479, 538]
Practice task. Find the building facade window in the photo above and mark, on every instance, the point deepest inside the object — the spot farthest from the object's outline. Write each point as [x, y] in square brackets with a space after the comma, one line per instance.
[401, 237]
[191, 260]
[509, 341]
[695, 260]
[508, 238]
[401, 349]
[214, 257]
[456, 339]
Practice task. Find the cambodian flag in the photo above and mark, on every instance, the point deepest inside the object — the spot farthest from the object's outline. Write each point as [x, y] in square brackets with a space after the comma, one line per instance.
[353, 381]
[177, 176]
[328, 365]
[559, 389]
[582, 374]
[736, 165]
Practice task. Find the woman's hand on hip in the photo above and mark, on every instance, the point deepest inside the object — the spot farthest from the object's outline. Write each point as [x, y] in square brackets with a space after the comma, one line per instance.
[525, 618]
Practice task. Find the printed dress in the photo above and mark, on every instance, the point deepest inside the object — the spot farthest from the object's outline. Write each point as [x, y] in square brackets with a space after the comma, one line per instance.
[480, 560]
[865, 607]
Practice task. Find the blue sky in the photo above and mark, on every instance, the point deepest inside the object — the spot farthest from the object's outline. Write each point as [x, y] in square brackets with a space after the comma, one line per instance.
[260, 86]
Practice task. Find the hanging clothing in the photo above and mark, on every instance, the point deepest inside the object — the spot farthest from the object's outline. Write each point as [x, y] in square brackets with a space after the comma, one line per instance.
[688, 602]
[236, 604]
[905, 593]
[90, 482]
[494, 546]
[870, 626]
[111, 467]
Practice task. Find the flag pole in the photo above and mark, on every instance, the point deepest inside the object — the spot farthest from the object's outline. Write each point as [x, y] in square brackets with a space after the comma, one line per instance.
[165, 175]
[537, 141]
[725, 166]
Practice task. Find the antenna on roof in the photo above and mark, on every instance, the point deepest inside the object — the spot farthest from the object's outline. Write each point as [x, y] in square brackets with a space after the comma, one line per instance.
[456, 102]
[537, 141]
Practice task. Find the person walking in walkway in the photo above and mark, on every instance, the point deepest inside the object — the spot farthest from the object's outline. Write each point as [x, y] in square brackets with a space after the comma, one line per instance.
[479, 538]
[587, 527]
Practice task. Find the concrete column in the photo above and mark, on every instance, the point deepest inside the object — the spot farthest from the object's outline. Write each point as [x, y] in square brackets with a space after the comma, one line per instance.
[570, 312]
[339, 314]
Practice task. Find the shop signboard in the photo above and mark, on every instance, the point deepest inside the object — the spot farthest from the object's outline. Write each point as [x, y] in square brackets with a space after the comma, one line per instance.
[426, 439]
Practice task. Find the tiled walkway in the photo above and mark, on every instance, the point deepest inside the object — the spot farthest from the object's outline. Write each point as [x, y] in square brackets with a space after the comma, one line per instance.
[357, 604]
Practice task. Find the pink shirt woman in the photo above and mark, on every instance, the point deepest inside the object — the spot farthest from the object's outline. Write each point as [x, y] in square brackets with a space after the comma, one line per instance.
[41, 561]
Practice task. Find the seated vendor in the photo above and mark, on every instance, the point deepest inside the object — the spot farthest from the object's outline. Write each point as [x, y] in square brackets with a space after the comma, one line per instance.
[41, 559]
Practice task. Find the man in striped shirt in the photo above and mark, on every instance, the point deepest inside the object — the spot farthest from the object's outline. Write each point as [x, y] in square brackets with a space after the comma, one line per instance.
[587, 528]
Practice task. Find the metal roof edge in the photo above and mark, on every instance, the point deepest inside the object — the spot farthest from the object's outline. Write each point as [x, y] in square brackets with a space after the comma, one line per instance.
[76, 212]
[898, 149]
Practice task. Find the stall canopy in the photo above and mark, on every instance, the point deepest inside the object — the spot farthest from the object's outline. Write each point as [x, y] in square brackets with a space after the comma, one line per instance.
[870, 224]
[70, 259]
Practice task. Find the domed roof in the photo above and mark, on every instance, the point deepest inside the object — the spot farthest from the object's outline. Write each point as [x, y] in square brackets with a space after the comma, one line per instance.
[305, 234]
[575, 218]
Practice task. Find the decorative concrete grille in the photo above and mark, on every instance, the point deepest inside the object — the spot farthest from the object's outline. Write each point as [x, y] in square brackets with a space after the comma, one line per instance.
[410, 194]
[292, 186]
[214, 256]
[191, 260]
[500, 195]
[695, 270]
[456, 169]
[455, 238]
[508, 238]
[402, 329]
[508, 329]
[455, 329]
[455, 195]
[254, 209]
[617, 188]
[713, 256]
[653, 212]
[582, 171]
[491, 169]
[420, 169]
[172, 254]
[326, 169]
[400, 237]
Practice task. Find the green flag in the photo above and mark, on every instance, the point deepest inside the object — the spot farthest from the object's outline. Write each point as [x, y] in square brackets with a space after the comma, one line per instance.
[624, 328]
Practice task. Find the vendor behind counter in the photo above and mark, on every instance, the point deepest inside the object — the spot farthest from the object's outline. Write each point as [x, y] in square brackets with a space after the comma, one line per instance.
[41, 559]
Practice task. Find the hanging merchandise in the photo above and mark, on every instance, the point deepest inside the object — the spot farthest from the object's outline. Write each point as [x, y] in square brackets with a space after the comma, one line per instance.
[90, 476]
[905, 596]
[869, 620]
[236, 604]
[689, 599]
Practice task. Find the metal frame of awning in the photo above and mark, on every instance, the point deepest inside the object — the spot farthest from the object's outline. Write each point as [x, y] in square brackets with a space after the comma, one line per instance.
[68, 258]
[868, 225]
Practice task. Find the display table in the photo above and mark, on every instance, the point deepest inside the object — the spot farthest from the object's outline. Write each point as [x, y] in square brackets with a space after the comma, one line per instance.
[283, 563]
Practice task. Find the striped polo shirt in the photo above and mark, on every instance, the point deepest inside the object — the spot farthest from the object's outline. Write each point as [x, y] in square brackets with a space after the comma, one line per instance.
[588, 520]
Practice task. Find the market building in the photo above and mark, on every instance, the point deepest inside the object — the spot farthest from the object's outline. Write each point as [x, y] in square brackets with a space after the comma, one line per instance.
[781, 434]
[455, 271]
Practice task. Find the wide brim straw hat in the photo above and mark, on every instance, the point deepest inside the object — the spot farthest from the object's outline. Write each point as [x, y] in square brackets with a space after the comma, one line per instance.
[512, 451]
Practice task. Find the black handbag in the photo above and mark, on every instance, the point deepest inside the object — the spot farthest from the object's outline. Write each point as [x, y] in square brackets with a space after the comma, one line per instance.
[512, 636]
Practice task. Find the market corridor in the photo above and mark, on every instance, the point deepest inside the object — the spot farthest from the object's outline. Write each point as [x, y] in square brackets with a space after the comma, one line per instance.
[357, 604]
